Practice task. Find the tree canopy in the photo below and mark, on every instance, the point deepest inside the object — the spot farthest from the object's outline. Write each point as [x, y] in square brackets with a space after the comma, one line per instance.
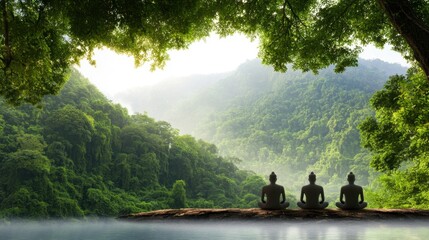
[40, 39]
[398, 137]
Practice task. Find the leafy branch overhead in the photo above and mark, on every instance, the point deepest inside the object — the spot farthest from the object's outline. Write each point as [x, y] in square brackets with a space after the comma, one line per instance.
[40, 39]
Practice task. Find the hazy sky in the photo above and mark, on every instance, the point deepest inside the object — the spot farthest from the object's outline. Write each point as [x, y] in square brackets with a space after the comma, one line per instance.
[115, 73]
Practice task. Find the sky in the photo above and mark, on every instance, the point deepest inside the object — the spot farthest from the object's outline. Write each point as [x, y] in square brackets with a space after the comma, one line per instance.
[114, 73]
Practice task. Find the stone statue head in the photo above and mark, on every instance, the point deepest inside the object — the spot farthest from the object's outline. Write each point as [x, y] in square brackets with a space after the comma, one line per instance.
[312, 177]
[351, 177]
[273, 177]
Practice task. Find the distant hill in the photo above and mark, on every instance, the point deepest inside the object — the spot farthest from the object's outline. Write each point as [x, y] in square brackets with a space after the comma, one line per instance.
[158, 100]
[79, 154]
[291, 122]
[189, 101]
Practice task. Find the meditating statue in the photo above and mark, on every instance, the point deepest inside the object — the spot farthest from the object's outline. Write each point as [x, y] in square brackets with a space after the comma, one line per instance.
[312, 193]
[273, 193]
[352, 193]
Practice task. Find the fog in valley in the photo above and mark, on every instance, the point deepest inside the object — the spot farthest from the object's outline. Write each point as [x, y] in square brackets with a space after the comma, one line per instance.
[263, 121]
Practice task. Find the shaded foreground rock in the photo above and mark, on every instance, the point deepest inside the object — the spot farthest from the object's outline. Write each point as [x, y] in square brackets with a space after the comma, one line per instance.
[259, 214]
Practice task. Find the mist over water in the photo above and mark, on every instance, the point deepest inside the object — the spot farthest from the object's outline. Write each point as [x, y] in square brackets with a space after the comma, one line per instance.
[211, 230]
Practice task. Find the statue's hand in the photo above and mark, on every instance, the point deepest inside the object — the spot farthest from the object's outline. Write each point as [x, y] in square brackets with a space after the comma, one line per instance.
[264, 201]
[282, 202]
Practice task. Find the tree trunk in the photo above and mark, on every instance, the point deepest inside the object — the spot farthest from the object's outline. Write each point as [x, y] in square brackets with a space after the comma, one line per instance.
[411, 27]
[7, 58]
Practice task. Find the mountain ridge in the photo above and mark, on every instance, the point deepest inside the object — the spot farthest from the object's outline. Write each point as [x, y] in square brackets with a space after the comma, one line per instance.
[291, 122]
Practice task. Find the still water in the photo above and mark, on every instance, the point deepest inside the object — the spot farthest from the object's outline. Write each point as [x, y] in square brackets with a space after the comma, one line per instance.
[169, 230]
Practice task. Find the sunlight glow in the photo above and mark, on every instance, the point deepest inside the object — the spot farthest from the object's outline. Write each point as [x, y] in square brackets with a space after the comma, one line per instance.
[115, 73]
[386, 54]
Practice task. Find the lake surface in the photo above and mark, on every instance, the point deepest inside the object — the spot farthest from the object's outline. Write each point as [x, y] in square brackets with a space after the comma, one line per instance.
[209, 230]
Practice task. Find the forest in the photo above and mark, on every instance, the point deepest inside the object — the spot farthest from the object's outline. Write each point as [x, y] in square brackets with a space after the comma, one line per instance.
[78, 154]
[73, 153]
[292, 122]
[397, 136]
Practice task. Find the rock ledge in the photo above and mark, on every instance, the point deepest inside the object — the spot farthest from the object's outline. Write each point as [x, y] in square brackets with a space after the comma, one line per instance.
[259, 214]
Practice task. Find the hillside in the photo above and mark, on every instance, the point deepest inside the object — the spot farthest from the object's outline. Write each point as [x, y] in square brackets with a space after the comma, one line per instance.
[78, 154]
[290, 122]
[157, 100]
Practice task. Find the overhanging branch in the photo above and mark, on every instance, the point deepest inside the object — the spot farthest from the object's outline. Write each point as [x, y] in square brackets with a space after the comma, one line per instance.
[415, 32]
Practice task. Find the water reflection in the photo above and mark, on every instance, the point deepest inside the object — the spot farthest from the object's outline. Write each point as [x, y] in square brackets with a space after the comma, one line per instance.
[314, 231]
[169, 230]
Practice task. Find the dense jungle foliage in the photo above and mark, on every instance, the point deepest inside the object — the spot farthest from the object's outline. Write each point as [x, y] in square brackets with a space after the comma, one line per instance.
[398, 137]
[292, 123]
[300, 122]
[78, 154]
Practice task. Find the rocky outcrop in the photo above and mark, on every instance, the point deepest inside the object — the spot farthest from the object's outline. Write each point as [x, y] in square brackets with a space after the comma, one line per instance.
[259, 214]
